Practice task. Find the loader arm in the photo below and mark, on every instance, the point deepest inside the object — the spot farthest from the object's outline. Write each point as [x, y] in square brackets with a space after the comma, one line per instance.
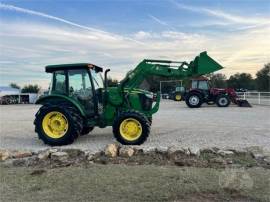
[202, 64]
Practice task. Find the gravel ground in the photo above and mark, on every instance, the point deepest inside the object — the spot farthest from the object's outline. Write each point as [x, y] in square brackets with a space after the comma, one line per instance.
[174, 124]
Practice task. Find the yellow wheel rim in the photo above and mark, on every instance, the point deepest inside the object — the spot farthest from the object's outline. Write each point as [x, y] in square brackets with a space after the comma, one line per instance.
[178, 97]
[55, 124]
[130, 129]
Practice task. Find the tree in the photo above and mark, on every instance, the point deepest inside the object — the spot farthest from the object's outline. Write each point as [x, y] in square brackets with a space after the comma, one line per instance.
[218, 80]
[263, 78]
[30, 89]
[112, 82]
[14, 85]
[241, 80]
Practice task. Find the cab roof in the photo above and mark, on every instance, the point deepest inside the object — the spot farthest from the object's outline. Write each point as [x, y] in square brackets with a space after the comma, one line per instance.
[52, 68]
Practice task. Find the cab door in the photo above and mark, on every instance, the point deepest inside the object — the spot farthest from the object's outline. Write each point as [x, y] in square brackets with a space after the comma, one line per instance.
[80, 89]
[204, 87]
[98, 86]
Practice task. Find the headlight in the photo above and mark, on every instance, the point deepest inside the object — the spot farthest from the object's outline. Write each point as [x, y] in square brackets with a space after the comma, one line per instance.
[151, 96]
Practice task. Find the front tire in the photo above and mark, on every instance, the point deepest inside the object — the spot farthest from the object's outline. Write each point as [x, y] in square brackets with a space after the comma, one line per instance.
[131, 128]
[223, 101]
[58, 125]
[177, 97]
[193, 100]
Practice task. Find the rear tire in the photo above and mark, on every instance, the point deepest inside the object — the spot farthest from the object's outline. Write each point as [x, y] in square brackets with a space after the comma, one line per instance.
[223, 100]
[193, 100]
[150, 120]
[71, 117]
[131, 128]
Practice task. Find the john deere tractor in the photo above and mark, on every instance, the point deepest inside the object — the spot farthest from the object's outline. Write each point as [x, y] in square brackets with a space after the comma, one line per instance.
[80, 100]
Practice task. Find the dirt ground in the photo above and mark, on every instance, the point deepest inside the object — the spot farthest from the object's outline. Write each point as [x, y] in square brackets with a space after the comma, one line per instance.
[174, 124]
[133, 183]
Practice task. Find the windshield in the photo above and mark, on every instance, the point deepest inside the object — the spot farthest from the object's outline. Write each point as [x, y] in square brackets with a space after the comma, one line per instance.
[97, 79]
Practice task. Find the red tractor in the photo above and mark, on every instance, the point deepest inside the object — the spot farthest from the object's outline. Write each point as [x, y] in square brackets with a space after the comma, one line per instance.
[201, 92]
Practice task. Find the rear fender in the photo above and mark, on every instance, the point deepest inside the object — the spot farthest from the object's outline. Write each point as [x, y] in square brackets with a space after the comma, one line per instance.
[197, 91]
[60, 98]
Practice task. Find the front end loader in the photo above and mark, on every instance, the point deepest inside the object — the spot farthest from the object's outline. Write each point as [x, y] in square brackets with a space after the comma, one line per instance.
[80, 100]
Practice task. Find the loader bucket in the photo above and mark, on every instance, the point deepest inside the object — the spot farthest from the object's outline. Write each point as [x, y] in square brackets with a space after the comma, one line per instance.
[203, 64]
[243, 103]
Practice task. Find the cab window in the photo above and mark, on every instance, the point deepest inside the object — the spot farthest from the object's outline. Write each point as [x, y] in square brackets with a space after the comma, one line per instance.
[97, 79]
[60, 82]
[203, 85]
[194, 84]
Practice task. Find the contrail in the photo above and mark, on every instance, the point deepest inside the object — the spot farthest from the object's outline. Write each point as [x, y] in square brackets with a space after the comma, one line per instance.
[44, 15]
[36, 13]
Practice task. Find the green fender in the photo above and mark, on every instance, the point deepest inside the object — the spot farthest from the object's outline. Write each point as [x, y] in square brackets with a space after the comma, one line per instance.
[52, 98]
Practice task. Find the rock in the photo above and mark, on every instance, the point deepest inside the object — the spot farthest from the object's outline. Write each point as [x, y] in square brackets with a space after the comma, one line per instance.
[43, 155]
[21, 154]
[73, 153]
[89, 155]
[217, 160]
[149, 150]
[172, 150]
[194, 151]
[19, 162]
[4, 155]
[267, 159]
[240, 151]
[256, 152]
[111, 150]
[175, 153]
[229, 161]
[31, 161]
[101, 160]
[161, 150]
[59, 156]
[126, 152]
[225, 152]
[53, 150]
[208, 150]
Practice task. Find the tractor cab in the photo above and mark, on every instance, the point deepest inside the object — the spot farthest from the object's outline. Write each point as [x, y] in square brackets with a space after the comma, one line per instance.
[82, 83]
[200, 83]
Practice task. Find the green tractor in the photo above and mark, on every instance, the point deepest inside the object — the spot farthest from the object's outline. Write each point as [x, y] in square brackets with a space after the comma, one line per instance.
[80, 100]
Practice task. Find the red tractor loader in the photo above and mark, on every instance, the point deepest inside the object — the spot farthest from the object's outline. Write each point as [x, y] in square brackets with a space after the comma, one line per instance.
[201, 92]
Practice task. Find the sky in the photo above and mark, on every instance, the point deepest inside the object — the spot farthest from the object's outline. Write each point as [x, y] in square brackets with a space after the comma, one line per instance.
[119, 34]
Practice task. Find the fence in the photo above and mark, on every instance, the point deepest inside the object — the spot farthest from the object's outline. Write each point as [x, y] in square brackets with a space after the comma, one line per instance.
[260, 98]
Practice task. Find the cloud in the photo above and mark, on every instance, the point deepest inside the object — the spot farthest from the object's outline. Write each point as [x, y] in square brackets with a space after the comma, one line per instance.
[229, 17]
[26, 47]
[44, 15]
[142, 35]
[31, 46]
